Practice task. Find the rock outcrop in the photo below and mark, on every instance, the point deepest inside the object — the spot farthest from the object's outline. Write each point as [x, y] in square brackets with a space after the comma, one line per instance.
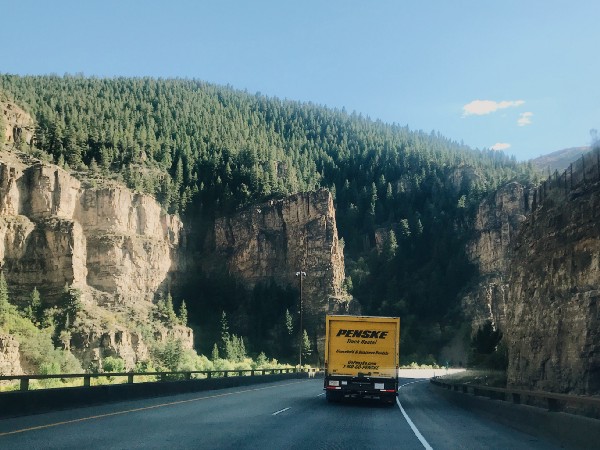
[18, 126]
[9, 356]
[278, 240]
[54, 231]
[553, 314]
[116, 246]
[496, 225]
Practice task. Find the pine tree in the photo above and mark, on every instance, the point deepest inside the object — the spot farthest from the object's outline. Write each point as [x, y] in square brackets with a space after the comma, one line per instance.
[225, 337]
[390, 245]
[183, 314]
[215, 353]
[306, 351]
[170, 311]
[289, 323]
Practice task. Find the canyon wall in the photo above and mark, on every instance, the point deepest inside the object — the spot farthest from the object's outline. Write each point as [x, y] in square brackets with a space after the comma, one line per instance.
[496, 225]
[538, 256]
[553, 314]
[116, 246]
[17, 126]
[280, 239]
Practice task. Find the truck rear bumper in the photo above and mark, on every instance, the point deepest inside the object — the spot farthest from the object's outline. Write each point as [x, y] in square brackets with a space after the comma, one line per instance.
[355, 387]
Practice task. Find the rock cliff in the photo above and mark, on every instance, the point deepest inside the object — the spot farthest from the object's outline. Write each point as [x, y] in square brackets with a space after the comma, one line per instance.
[10, 363]
[278, 239]
[496, 224]
[17, 126]
[553, 314]
[115, 245]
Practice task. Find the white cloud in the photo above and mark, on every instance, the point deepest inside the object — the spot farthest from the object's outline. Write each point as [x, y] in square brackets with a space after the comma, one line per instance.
[500, 146]
[483, 107]
[524, 119]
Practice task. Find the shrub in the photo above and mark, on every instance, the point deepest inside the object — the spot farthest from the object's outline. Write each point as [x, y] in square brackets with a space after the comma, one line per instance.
[113, 364]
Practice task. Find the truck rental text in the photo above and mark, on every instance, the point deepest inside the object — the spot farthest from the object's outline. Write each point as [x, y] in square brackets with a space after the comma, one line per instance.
[362, 355]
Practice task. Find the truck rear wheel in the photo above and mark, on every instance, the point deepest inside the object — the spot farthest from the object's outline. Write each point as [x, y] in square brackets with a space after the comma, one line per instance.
[332, 396]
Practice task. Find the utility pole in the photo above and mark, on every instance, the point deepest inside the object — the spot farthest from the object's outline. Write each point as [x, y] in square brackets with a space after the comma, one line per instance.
[300, 274]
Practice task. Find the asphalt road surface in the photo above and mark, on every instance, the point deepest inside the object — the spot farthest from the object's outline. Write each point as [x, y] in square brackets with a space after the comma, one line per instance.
[291, 414]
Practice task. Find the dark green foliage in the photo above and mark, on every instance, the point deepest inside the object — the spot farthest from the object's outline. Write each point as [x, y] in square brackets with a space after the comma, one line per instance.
[183, 313]
[488, 349]
[215, 353]
[235, 349]
[35, 310]
[486, 339]
[63, 315]
[205, 150]
[168, 354]
[289, 323]
[113, 364]
[165, 311]
[306, 346]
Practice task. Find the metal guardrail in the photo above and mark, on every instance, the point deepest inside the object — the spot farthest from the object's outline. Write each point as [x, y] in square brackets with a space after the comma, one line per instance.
[160, 376]
[554, 402]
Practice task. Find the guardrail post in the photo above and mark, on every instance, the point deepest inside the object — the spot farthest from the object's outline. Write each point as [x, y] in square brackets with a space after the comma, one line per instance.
[188, 376]
[516, 398]
[163, 376]
[24, 384]
[225, 373]
[252, 373]
[130, 378]
[87, 381]
[208, 375]
[263, 371]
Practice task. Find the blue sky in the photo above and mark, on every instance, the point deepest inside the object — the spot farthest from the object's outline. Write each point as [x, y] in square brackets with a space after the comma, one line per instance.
[518, 75]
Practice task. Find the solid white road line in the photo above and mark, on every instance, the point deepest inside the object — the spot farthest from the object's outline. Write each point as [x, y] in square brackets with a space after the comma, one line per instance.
[280, 411]
[410, 422]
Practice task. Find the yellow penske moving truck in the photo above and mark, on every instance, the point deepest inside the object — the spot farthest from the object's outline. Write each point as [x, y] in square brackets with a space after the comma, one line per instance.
[362, 357]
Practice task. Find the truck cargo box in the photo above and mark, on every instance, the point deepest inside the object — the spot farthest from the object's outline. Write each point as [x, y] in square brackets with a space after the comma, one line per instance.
[362, 357]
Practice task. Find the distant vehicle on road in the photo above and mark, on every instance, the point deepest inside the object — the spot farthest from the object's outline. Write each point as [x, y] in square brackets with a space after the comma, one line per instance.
[362, 355]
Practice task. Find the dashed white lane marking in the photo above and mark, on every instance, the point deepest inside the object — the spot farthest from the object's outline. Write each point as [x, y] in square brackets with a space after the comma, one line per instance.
[280, 411]
[410, 422]
[128, 411]
[322, 393]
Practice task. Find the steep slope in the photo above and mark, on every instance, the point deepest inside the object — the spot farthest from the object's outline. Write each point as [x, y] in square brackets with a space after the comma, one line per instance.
[559, 160]
[115, 246]
[553, 314]
[279, 239]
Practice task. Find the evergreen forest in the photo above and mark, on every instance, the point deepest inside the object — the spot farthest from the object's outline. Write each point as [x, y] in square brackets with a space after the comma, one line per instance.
[404, 199]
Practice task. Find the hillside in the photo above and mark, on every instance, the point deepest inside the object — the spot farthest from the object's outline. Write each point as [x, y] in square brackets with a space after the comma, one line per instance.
[559, 160]
[404, 199]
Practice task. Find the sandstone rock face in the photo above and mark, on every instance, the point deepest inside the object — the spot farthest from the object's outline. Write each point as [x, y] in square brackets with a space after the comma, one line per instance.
[498, 221]
[9, 356]
[278, 239]
[553, 314]
[54, 231]
[92, 343]
[18, 125]
[116, 246]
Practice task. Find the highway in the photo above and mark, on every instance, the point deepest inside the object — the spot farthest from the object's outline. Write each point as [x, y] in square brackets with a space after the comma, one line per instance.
[290, 414]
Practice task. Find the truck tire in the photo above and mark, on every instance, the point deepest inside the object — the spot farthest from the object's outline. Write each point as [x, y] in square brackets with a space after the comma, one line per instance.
[332, 396]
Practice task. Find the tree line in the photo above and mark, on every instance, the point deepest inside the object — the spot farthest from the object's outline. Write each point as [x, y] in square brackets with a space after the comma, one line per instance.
[404, 199]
